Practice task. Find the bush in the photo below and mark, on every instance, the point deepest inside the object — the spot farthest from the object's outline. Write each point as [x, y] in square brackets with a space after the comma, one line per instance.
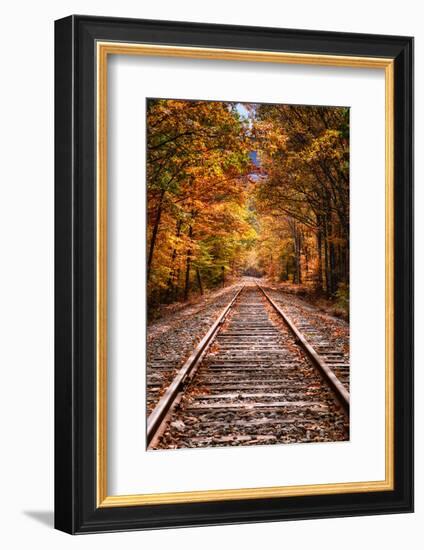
[342, 297]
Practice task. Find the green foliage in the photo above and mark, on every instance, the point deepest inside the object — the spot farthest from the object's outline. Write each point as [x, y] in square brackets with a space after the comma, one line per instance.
[342, 297]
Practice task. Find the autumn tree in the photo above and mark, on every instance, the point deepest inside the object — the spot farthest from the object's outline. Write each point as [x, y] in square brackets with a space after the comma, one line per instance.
[266, 193]
[197, 162]
[305, 155]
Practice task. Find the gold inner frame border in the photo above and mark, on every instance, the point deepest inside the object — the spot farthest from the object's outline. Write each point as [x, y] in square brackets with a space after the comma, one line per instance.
[103, 50]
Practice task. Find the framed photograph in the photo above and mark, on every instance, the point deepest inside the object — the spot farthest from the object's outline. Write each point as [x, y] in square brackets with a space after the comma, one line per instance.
[234, 269]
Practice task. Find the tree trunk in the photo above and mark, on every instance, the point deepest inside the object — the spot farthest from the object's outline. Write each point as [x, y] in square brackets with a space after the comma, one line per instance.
[298, 274]
[331, 257]
[176, 289]
[299, 257]
[327, 261]
[199, 281]
[347, 260]
[188, 265]
[319, 248]
[154, 234]
[333, 269]
[306, 253]
[171, 278]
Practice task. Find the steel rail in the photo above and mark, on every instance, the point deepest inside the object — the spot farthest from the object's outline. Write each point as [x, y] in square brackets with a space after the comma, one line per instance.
[159, 413]
[341, 392]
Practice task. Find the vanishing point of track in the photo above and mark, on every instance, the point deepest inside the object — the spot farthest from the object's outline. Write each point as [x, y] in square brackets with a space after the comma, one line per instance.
[257, 377]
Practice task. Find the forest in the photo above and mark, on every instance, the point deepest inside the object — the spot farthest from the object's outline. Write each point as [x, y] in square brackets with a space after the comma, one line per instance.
[236, 189]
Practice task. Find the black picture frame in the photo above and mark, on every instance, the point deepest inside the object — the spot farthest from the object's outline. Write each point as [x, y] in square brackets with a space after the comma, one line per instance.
[76, 508]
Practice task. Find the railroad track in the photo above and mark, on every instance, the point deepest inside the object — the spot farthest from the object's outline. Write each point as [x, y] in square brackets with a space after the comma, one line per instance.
[330, 352]
[165, 358]
[254, 379]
